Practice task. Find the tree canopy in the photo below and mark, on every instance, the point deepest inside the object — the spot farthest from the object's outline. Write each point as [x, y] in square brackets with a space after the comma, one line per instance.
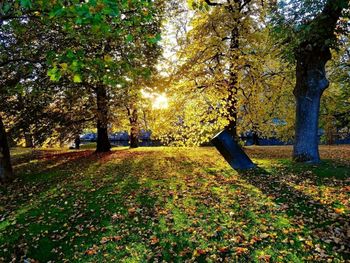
[72, 65]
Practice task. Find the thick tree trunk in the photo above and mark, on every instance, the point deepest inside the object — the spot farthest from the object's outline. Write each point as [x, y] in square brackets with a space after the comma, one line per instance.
[231, 151]
[310, 84]
[134, 138]
[306, 133]
[312, 56]
[103, 144]
[6, 173]
[134, 131]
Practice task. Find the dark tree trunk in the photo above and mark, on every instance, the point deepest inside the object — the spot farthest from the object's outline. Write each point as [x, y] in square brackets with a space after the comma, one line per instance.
[77, 142]
[6, 173]
[312, 56]
[306, 133]
[61, 138]
[28, 139]
[231, 151]
[103, 144]
[310, 84]
[255, 138]
[134, 131]
[10, 141]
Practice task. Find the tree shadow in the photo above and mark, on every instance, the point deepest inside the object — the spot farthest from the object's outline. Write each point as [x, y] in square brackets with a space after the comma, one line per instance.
[48, 170]
[117, 207]
[117, 213]
[322, 220]
[327, 173]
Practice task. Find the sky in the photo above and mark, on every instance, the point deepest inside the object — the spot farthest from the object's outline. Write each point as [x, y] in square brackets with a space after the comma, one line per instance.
[173, 29]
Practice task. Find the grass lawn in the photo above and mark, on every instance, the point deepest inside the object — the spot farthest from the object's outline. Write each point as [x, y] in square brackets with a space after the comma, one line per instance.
[175, 205]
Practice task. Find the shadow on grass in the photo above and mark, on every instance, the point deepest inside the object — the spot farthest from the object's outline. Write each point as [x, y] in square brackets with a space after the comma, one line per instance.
[320, 219]
[153, 207]
[328, 172]
[48, 171]
[95, 205]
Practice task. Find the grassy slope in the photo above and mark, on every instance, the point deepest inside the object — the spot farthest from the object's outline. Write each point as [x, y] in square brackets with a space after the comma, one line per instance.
[175, 204]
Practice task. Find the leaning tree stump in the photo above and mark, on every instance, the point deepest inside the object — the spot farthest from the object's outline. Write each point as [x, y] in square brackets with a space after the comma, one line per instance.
[231, 151]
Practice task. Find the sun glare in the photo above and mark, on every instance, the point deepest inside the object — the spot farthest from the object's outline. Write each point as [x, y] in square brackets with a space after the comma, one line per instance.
[160, 101]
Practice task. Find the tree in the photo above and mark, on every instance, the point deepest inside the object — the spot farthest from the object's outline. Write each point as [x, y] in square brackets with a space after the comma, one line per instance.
[315, 25]
[104, 42]
[134, 123]
[33, 107]
[5, 161]
[133, 100]
[224, 79]
[103, 144]
[109, 62]
[220, 35]
[102, 39]
[335, 106]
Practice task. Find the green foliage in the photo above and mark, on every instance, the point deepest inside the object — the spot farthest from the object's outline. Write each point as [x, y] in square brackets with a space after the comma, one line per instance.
[90, 23]
[54, 74]
[79, 45]
[26, 3]
[300, 21]
[77, 78]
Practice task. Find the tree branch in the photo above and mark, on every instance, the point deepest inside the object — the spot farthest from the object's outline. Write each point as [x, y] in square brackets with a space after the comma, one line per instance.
[208, 2]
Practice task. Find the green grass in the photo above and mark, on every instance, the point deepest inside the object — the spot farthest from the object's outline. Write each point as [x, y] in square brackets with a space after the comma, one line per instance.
[172, 204]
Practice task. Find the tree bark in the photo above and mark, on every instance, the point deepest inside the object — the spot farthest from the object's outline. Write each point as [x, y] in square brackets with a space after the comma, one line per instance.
[232, 112]
[6, 173]
[311, 81]
[310, 84]
[134, 131]
[330, 129]
[233, 84]
[103, 144]
[255, 138]
[77, 142]
[28, 139]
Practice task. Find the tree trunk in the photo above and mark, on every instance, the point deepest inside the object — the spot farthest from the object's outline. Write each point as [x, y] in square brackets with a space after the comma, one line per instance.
[232, 113]
[310, 84]
[330, 129]
[312, 56]
[103, 144]
[134, 131]
[255, 138]
[77, 142]
[28, 139]
[233, 85]
[6, 173]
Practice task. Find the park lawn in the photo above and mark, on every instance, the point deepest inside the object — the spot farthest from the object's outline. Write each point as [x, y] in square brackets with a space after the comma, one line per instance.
[175, 205]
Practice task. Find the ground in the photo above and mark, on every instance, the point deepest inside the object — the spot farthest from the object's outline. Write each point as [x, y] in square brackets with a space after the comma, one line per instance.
[175, 205]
